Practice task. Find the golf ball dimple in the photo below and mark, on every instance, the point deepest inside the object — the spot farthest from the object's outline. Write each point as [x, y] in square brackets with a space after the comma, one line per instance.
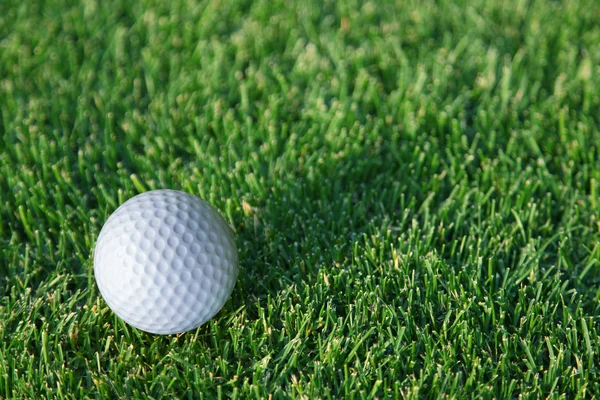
[165, 261]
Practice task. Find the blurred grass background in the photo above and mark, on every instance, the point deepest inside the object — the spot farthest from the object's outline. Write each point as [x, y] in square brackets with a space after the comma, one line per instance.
[413, 186]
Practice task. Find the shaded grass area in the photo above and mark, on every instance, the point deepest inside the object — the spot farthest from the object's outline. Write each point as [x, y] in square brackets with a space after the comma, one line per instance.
[414, 190]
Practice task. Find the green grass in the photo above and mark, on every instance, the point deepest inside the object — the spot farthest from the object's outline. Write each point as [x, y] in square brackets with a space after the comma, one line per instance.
[414, 189]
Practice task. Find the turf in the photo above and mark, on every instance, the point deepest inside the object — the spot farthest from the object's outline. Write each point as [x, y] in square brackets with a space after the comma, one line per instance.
[414, 188]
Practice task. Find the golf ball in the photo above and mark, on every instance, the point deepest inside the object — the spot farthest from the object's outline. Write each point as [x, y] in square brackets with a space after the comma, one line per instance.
[165, 261]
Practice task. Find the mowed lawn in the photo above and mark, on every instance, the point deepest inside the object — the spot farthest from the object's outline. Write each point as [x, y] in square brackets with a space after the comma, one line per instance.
[414, 188]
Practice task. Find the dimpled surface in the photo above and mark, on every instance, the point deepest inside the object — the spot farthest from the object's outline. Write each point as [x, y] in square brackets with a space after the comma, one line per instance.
[165, 261]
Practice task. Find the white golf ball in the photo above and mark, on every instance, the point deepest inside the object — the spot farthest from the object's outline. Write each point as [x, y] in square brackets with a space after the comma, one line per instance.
[165, 261]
